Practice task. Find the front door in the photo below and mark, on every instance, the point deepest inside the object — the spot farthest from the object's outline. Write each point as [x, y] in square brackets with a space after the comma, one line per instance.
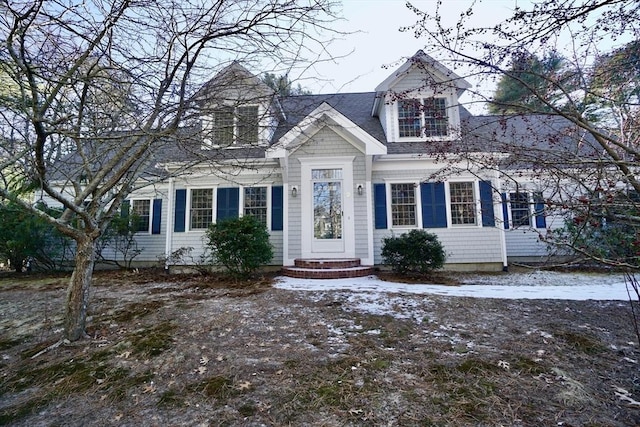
[327, 207]
[327, 211]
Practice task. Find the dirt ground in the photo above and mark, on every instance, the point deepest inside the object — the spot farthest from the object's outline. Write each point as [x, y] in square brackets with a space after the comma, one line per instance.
[186, 350]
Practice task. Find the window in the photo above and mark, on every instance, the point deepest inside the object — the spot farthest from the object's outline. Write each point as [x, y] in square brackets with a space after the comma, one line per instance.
[463, 205]
[247, 125]
[403, 204]
[238, 125]
[141, 211]
[201, 208]
[520, 215]
[223, 126]
[427, 117]
[255, 203]
[435, 117]
[409, 122]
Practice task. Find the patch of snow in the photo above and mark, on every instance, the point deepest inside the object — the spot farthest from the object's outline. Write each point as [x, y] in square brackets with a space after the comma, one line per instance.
[533, 285]
[381, 304]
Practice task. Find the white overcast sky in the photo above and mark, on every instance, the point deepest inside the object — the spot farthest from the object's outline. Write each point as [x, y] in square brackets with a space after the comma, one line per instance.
[376, 40]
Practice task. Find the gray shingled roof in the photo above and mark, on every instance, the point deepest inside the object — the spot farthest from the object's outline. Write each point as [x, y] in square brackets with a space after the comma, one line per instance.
[530, 138]
[356, 107]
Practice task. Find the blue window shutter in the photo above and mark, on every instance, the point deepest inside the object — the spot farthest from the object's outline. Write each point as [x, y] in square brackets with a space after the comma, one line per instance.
[228, 203]
[380, 205]
[181, 211]
[541, 221]
[157, 216]
[505, 210]
[486, 204]
[277, 193]
[124, 208]
[434, 205]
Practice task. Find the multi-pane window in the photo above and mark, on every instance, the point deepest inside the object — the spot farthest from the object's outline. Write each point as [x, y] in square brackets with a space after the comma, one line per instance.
[141, 211]
[463, 204]
[247, 125]
[409, 118]
[223, 126]
[520, 214]
[435, 117]
[255, 203]
[238, 125]
[427, 117]
[403, 204]
[201, 208]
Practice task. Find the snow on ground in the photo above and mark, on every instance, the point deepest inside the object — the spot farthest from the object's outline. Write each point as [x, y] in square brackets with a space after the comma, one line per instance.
[529, 285]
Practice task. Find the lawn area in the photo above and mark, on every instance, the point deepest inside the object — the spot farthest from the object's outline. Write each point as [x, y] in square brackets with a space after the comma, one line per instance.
[196, 350]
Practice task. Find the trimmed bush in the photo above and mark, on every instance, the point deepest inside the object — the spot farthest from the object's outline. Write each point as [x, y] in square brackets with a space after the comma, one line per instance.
[28, 241]
[414, 252]
[240, 245]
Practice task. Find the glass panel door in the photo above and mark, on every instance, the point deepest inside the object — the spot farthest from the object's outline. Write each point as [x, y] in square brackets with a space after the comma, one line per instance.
[327, 210]
[327, 204]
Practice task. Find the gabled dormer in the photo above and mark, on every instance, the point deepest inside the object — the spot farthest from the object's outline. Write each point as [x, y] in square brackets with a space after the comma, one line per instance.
[237, 110]
[419, 101]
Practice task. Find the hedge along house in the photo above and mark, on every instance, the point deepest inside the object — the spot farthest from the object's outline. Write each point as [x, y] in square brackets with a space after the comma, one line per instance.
[332, 175]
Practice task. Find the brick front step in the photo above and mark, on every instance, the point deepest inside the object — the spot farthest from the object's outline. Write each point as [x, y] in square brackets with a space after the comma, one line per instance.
[327, 273]
[327, 263]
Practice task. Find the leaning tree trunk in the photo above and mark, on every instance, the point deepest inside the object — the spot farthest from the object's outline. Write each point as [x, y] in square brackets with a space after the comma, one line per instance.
[78, 291]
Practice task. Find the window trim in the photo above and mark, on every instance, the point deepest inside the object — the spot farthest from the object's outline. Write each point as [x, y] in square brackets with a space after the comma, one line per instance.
[188, 225]
[417, 204]
[528, 202]
[214, 190]
[149, 218]
[476, 204]
[209, 125]
[268, 202]
[423, 118]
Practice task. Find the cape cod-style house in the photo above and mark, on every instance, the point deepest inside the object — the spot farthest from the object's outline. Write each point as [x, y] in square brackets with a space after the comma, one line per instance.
[332, 175]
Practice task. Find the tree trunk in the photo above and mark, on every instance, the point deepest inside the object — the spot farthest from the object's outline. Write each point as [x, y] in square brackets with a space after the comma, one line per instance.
[78, 291]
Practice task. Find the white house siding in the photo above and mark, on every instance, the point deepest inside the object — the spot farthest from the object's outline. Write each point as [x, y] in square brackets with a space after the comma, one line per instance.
[293, 216]
[463, 244]
[152, 245]
[526, 244]
[268, 175]
[327, 143]
[523, 242]
[196, 240]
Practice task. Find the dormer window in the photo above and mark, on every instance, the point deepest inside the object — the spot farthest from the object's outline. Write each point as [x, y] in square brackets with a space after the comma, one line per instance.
[425, 117]
[235, 126]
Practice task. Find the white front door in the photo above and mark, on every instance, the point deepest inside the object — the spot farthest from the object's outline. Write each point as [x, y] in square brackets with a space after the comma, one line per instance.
[327, 208]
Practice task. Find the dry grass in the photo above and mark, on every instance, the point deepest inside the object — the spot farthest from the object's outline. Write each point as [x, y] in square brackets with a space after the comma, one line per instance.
[194, 350]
